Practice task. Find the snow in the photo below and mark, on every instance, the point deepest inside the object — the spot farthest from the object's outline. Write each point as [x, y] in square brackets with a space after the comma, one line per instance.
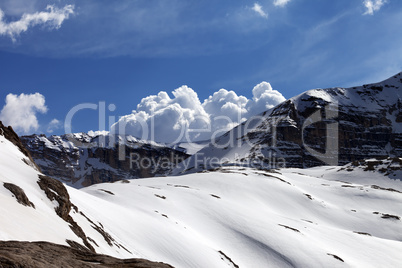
[191, 147]
[257, 218]
[323, 217]
[18, 222]
[242, 212]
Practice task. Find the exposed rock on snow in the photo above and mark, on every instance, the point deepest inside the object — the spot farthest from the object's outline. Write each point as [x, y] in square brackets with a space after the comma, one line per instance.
[19, 194]
[45, 254]
[389, 166]
[233, 215]
[261, 218]
[54, 217]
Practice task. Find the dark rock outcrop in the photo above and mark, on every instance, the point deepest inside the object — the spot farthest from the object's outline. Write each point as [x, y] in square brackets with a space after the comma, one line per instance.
[44, 254]
[388, 166]
[19, 194]
[55, 190]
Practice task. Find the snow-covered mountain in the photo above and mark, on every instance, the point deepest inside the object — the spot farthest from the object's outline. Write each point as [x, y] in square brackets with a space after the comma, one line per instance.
[231, 217]
[81, 159]
[321, 126]
[35, 207]
[232, 206]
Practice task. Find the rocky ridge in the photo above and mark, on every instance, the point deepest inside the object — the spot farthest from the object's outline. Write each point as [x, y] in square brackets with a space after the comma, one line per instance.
[81, 159]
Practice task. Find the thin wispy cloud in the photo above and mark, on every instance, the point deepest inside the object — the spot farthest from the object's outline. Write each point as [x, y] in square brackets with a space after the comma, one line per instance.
[52, 18]
[281, 3]
[258, 9]
[373, 6]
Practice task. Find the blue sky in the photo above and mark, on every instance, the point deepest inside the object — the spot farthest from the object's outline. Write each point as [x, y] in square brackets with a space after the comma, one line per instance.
[123, 51]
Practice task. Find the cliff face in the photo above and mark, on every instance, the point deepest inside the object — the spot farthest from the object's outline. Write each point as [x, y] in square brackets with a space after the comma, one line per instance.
[331, 126]
[80, 160]
[366, 123]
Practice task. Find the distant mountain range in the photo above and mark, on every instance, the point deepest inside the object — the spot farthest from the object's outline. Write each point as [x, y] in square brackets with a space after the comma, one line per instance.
[81, 159]
[332, 126]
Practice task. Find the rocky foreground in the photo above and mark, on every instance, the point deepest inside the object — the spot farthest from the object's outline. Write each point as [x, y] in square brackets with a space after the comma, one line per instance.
[45, 254]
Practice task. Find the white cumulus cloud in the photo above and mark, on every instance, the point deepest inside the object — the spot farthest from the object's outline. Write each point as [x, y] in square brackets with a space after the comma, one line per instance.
[53, 17]
[258, 9]
[264, 98]
[281, 3]
[373, 5]
[165, 119]
[20, 111]
[185, 118]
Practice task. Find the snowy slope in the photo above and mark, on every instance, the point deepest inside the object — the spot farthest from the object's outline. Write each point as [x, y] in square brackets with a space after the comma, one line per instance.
[22, 222]
[50, 216]
[232, 217]
[286, 218]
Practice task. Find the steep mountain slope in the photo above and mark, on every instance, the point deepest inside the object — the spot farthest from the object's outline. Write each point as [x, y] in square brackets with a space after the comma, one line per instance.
[231, 217]
[81, 159]
[35, 207]
[321, 126]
